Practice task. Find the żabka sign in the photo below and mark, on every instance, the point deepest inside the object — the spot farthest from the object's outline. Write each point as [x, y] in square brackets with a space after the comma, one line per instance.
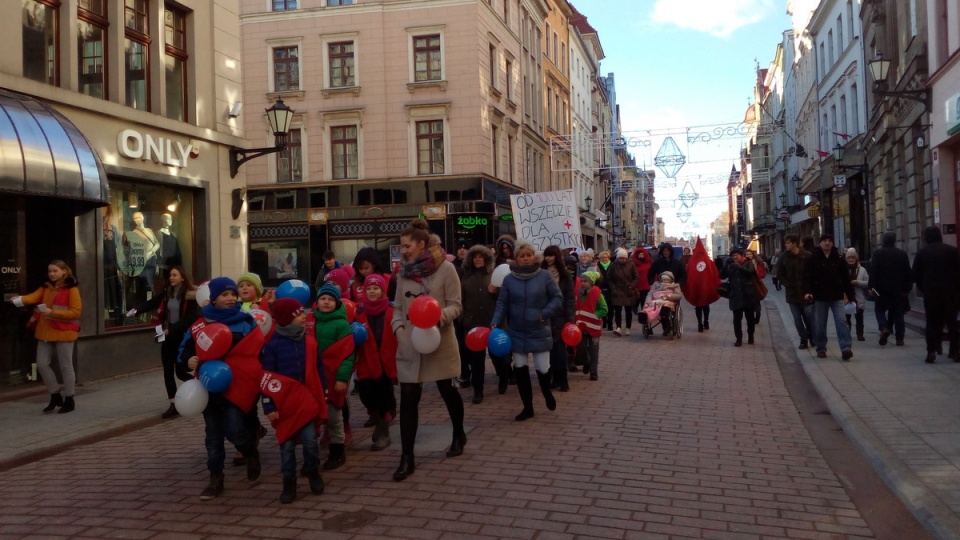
[136, 145]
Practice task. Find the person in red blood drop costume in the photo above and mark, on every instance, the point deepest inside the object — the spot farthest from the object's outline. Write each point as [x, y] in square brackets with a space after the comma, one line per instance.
[702, 280]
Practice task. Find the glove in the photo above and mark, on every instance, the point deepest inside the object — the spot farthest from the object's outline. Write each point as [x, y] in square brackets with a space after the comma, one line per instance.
[132, 312]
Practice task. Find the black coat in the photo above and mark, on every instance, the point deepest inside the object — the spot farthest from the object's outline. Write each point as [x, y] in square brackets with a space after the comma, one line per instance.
[826, 277]
[890, 273]
[743, 293]
[937, 266]
[568, 313]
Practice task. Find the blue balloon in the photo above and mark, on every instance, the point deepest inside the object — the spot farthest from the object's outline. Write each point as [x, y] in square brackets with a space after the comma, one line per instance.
[359, 333]
[499, 342]
[296, 289]
[215, 375]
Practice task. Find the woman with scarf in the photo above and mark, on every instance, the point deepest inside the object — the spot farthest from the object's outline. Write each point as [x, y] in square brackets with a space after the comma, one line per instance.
[479, 300]
[622, 278]
[559, 362]
[176, 307]
[743, 293]
[528, 300]
[424, 270]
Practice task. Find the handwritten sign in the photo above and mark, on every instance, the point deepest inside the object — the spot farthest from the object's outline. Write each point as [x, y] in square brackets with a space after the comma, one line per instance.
[548, 218]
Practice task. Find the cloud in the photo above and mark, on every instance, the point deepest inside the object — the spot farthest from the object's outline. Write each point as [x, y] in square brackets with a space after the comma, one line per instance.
[718, 18]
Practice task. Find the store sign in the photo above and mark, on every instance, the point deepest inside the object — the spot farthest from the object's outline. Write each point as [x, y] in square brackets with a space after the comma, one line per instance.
[952, 107]
[470, 222]
[135, 145]
[10, 270]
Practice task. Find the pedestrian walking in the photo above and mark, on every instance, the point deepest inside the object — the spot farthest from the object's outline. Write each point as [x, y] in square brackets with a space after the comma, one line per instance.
[56, 325]
[425, 271]
[774, 261]
[366, 262]
[622, 278]
[377, 360]
[761, 268]
[559, 362]
[891, 279]
[665, 262]
[479, 299]
[740, 272]
[176, 310]
[937, 271]
[826, 282]
[790, 270]
[703, 278]
[591, 307]
[586, 263]
[860, 280]
[603, 265]
[504, 250]
[336, 348]
[642, 261]
[528, 300]
[330, 262]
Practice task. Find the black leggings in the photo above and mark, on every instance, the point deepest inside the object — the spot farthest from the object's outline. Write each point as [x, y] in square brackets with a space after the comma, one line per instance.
[738, 316]
[703, 314]
[168, 358]
[410, 394]
[377, 396]
[618, 316]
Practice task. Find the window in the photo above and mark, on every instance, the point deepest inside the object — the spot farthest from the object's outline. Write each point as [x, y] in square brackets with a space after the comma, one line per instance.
[854, 112]
[286, 68]
[556, 56]
[284, 5]
[823, 69]
[345, 152]
[840, 44]
[430, 147]
[546, 36]
[832, 58]
[339, 2]
[136, 53]
[843, 116]
[493, 66]
[495, 148]
[41, 40]
[510, 158]
[341, 64]
[91, 46]
[175, 62]
[290, 161]
[506, 12]
[509, 70]
[426, 58]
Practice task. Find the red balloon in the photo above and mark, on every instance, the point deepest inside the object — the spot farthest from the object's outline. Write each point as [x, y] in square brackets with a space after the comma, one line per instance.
[424, 312]
[571, 335]
[351, 308]
[477, 338]
[213, 341]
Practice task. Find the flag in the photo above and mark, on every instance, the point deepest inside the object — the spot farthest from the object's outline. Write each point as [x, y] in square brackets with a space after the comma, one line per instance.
[801, 151]
[822, 154]
[843, 136]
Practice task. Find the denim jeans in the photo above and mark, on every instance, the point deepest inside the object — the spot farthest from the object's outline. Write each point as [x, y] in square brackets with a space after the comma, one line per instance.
[820, 311]
[224, 420]
[311, 451]
[889, 310]
[802, 320]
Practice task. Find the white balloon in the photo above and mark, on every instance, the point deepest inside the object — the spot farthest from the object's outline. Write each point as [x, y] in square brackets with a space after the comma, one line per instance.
[500, 272]
[850, 308]
[264, 320]
[425, 340]
[203, 293]
[191, 398]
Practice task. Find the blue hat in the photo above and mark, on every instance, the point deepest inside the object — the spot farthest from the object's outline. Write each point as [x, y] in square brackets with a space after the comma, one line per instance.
[329, 289]
[220, 284]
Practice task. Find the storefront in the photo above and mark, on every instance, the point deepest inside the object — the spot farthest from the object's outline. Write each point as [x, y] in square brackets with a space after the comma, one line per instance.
[121, 203]
[291, 227]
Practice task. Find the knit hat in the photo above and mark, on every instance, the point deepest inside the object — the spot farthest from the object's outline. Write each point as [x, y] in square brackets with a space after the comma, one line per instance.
[735, 251]
[375, 279]
[590, 276]
[285, 310]
[338, 277]
[852, 253]
[668, 274]
[250, 277]
[329, 289]
[220, 284]
[621, 253]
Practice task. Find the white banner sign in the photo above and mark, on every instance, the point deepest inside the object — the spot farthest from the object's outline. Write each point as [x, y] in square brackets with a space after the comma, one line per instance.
[548, 218]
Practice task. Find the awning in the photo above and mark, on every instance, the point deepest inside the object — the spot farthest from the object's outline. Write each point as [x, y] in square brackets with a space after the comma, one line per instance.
[42, 153]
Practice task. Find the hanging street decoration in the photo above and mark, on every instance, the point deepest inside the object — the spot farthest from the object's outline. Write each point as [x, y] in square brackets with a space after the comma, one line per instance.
[669, 158]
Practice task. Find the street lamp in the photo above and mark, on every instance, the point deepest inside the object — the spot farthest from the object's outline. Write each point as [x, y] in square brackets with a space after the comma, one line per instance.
[588, 201]
[879, 69]
[279, 116]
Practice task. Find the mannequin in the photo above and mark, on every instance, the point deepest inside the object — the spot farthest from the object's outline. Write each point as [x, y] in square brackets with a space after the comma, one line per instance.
[140, 248]
[169, 254]
[112, 290]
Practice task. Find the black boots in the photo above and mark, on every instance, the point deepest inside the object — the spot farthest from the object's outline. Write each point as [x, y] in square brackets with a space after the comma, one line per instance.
[931, 357]
[544, 379]
[289, 493]
[316, 482]
[525, 389]
[478, 395]
[405, 469]
[336, 459]
[750, 339]
[170, 412]
[214, 488]
[56, 400]
[253, 467]
[381, 434]
[68, 405]
[456, 447]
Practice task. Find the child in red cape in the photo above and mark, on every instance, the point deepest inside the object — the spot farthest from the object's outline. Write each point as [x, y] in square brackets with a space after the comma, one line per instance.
[702, 281]
[377, 360]
[335, 346]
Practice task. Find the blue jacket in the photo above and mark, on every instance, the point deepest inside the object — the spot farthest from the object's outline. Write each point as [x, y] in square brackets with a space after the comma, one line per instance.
[286, 356]
[528, 305]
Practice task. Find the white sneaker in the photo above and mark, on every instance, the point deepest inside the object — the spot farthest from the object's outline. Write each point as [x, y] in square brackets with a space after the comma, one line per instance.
[617, 331]
[626, 331]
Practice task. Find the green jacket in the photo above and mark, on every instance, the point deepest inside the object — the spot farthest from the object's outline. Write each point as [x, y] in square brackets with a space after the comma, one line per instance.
[331, 328]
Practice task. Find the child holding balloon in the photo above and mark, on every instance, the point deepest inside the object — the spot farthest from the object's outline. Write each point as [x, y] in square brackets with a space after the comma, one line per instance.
[224, 417]
[377, 359]
[591, 308]
[253, 299]
[335, 345]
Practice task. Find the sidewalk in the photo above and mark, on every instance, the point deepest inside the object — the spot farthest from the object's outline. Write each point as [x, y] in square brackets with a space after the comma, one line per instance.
[901, 412]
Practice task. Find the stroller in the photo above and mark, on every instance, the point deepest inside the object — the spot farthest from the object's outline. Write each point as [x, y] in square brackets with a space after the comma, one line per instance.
[649, 316]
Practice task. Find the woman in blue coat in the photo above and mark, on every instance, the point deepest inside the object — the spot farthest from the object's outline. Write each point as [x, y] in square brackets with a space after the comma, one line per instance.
[528, 300]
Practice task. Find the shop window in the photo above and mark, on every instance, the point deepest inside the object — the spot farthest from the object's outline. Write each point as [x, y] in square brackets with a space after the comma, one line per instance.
[279, 261]
[136, 53]
[41, 40]
[175, 62]
[92, 26]
[147, 229]
[366, 197]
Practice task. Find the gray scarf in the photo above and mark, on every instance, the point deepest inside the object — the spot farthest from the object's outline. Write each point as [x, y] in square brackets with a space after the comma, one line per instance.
[292, 331]
[524, 273]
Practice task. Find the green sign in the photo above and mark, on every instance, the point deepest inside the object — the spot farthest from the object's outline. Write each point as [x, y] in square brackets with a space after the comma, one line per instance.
[470, 222]
[506, 217]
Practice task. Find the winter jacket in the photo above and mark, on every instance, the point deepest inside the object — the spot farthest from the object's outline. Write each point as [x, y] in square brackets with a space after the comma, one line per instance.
[243, 358]
[285, 356]
[63, 323]
[936, 267]
[789, 271]
[375, 358]
[443, 363]
[478, 302]
[743, 293]
[336, 348]
[324, 270]
[859, 274]
[499, 258]
[890, 272]
[528, 305]
[370, 255]
[569, 312]
[666, 263]
[622, 278]
[189, 312]
[643, 267]
[825, 277]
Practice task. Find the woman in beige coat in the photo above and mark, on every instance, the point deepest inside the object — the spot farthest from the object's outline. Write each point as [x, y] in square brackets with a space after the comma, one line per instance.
[425, 271]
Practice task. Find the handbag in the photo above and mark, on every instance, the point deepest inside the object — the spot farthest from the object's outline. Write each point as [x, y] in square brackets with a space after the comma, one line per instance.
[723, 289]
[761, 287]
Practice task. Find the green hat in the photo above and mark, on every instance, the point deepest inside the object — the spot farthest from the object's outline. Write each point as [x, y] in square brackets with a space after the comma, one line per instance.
[590, 276]
[254, 279]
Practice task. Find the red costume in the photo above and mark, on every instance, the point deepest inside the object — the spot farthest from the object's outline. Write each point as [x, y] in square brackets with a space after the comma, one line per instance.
[702, 278]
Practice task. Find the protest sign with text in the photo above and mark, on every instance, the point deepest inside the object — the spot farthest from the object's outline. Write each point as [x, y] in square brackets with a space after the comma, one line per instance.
[547, 218]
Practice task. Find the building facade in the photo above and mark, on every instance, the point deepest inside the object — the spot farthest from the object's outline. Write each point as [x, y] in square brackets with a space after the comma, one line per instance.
[116, 134]
[943, 23]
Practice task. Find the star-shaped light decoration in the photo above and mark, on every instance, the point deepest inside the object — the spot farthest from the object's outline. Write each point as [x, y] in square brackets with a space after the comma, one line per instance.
[669, 158]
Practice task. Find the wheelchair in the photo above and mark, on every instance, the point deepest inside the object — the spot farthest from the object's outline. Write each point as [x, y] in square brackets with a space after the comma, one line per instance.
[650, 319]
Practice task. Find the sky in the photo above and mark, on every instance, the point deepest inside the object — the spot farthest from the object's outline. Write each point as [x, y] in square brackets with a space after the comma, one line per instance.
[679, 64]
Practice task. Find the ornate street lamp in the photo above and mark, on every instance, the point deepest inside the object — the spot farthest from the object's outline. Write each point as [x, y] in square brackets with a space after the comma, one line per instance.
[879, 69]
[588, 201]
[279, 116]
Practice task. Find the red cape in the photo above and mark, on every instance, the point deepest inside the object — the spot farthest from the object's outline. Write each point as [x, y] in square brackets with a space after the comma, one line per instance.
[702, 278]
[297, 404]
